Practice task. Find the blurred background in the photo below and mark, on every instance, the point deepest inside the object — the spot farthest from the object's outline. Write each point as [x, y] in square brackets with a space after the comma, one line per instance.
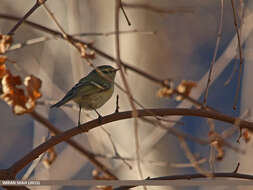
[179, 46]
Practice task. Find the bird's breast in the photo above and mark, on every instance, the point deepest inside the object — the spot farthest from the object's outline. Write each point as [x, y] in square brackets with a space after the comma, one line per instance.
[95, 100]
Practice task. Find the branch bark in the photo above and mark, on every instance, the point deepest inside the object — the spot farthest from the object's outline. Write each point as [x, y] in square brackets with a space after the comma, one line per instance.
[20, 164]
[89, 155]
[195, 176]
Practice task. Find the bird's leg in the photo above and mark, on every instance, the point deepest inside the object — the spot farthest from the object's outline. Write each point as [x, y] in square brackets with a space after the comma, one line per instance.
[80, 109]
[99, 116]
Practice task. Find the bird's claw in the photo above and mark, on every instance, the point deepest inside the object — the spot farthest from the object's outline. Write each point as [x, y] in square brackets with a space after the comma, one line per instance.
[99, 118]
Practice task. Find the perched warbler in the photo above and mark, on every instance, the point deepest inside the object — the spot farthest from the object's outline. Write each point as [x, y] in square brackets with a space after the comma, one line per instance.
[92, 91]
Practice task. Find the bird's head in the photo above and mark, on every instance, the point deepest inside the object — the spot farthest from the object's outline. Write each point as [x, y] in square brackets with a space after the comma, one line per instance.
[107, 70]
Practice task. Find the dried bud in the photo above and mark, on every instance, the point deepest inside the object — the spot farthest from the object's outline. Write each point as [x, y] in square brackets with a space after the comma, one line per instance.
[5, 43]
[165, 92]
[185, 88]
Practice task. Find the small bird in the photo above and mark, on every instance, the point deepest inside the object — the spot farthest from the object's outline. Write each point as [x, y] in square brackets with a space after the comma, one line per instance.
[92, 91]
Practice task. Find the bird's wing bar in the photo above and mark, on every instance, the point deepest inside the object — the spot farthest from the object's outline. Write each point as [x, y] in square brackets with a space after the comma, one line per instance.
[91, 84]
[89, 87]
[98, 85]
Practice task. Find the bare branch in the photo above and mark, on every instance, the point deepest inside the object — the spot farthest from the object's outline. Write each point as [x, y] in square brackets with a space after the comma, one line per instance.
[89, 155]
[192, 159]
[127, 19]
[240, 54]
[196, 176]
[134, 31]
[35, 7]
[65, 136]
[157, 9]
[115, 149]
[215, 51]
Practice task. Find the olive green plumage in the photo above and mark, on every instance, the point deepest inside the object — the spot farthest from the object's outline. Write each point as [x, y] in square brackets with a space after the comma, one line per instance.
[92, 91]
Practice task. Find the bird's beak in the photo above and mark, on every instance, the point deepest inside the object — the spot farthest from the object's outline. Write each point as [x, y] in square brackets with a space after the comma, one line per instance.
[116, 70]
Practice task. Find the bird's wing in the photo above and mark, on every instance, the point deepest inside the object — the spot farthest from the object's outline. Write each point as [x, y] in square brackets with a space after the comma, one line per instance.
[82, 88]
[87, 88]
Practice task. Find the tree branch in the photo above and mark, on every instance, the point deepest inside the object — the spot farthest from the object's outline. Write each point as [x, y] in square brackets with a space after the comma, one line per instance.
[195, 176]
[89, 155]
[21, 20]
[107, 56]
[20, 164]
[157, 9]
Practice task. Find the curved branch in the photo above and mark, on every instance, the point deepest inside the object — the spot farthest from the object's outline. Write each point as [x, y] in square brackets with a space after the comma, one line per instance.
[89, 155]
[20, 164]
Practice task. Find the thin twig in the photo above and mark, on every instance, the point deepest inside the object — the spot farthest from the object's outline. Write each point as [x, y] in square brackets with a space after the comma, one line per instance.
[241, 19]
[153, 162]
[211, 160]
[117, 104]
[237, 168]
[128, 21]
[215, 51]
[113, 33]
[46, 38]
[29, 42]
[240, 54]
[157, 9]
[35, 7]
[235, 68]
[63, 33]
[115, 149]
[212, 151]
[191, 158]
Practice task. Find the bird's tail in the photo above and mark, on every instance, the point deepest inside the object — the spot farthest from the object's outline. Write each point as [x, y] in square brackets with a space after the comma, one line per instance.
[69, 96]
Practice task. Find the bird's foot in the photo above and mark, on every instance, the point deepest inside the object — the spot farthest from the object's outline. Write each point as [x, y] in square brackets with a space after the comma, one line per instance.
[100, 118]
